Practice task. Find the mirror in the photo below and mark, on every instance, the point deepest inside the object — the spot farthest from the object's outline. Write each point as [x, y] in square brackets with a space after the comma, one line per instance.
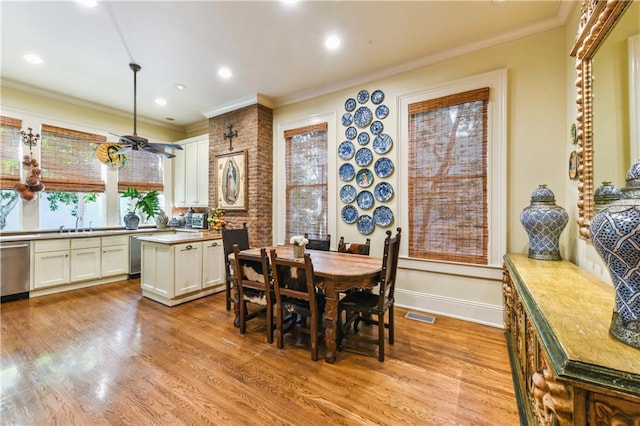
[597, 18]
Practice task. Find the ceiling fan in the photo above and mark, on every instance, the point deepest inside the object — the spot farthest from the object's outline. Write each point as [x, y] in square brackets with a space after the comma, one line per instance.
[138, 143]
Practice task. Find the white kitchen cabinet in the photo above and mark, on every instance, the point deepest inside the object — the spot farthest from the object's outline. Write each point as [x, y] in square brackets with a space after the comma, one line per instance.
[51, 263]
[85, 259]
[188, 268]
[115, 255]
[157, 270]
[191, 173]
[212, 264]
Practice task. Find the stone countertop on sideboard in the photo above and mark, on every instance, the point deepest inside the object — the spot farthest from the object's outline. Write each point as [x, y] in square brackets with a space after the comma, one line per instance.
[50, 235]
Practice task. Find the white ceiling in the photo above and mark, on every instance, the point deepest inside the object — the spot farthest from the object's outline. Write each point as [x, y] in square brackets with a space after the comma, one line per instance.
[275, 49]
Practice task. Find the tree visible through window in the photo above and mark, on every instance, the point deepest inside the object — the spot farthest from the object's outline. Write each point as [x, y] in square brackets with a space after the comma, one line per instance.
[306, 181]
[448, 178]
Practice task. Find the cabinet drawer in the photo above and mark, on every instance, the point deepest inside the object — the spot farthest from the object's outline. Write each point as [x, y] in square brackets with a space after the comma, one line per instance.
[82, 243]
[115, 240]
[51, 245]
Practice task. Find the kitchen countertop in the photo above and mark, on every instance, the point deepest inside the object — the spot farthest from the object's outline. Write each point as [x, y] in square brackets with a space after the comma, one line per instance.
[44, 235]
[181, 237]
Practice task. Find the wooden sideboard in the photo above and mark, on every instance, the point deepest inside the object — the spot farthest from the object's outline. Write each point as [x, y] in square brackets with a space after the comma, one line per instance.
[567, 369]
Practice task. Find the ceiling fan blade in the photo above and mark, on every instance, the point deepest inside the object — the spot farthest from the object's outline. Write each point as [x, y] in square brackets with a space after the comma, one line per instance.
[158, 152]
[165, 145]
[124, 150]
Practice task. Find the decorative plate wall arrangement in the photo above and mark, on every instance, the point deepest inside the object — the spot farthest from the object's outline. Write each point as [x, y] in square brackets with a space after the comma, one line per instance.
[363, 121]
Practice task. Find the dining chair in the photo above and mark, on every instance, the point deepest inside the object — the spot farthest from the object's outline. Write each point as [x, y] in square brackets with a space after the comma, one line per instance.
[299, 305]
[230, 237]
[318, 243]
[362, 306]
[253, 281]
[354, 248]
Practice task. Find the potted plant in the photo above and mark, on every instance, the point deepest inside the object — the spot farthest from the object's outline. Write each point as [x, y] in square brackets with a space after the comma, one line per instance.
[148, 203]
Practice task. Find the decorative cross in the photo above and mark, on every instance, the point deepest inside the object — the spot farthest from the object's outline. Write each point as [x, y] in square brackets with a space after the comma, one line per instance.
[230, 136]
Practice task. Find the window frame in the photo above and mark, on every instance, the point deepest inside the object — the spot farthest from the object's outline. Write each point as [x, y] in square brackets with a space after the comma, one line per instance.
[496, 173]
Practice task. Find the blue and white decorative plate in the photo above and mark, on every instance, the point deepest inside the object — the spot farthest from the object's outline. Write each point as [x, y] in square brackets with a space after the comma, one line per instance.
[347, 119]
[363, 96]
[351, 132]
[362, 117]
[363, 138]
[382, 143]
[364, 157]
[349, 214]
[382, 111]
[365, 200]
[383, 191]
[376, 127]
[364, 178]
[365, 224]
[383, 167]
[347, 172]
[350, 104]
[346, 150]
[377, 97]
[382, 216]
[348, 193]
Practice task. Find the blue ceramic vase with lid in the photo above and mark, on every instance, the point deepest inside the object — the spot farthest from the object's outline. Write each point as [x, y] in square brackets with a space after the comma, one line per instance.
[615, 233]
[544, 221]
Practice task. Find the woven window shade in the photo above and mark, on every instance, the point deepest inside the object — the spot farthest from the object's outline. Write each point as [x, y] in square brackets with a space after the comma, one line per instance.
[10, 159]
[142, 170]
[306, 181]
[448, 178]
[69, 162]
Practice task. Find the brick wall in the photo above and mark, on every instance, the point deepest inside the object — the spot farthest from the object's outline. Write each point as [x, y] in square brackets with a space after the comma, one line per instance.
[255, 134]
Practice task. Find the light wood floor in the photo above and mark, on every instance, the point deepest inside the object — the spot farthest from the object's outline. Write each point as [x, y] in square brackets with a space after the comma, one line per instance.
[108, 356]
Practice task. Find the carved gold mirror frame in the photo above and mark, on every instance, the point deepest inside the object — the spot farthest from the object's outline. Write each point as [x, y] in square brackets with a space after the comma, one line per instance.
[597, 18]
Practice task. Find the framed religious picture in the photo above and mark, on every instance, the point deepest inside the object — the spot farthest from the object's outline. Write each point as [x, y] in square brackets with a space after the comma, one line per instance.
[231, 180]
[573, 165]
[109, 154]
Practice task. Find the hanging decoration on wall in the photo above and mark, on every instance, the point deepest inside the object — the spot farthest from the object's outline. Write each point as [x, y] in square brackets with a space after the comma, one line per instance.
[363, 121]
[33, 182]
[232, 134]
[107, 153]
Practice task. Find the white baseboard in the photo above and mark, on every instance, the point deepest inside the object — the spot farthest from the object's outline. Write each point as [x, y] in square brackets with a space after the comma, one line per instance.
[467, 310]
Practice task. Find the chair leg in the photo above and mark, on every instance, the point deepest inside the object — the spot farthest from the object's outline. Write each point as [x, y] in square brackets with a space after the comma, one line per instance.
[314, 338]
[228, 295]
[270, 324]
[243, 317]
[381, 337]
[279, 328]
[391, 325]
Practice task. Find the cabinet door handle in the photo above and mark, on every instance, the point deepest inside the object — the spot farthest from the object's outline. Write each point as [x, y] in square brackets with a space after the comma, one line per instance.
[215, 244]
[189, 247]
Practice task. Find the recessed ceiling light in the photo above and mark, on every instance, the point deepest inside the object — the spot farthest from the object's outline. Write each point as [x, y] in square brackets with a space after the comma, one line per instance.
[179, 86]
[161, 102]
[332, 42]
[88, 3]
[225, 73]
[33, 59]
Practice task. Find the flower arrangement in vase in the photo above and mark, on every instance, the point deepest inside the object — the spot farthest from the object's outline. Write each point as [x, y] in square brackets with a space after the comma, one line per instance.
[299, 242]
[217, 220]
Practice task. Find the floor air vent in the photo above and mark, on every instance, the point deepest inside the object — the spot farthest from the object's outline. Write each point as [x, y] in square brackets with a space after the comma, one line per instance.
[420, 317]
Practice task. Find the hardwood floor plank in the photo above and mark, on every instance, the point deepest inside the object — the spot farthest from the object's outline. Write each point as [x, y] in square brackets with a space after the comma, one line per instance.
[105, 355]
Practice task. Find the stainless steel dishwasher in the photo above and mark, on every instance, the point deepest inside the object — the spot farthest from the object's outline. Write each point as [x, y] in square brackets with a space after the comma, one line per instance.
[15, 270]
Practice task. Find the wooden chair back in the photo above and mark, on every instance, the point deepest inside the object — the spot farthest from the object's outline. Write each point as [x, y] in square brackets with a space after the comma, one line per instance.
[319, 243]
[354, 248]
[390, 256]
[239, 236]
[252, 279]
[296, 295]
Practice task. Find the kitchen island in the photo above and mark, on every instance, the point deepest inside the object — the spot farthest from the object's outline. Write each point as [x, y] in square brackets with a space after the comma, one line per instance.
[178, 268]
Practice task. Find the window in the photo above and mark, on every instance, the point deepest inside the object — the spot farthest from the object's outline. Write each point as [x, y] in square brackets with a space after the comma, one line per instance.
[9, 172]
[448, 178]
[143, 170]
[455, 179]
[74, 194]
[306, 181]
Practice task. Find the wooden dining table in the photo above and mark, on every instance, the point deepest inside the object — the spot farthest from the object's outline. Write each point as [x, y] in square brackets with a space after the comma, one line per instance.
[337, 272]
